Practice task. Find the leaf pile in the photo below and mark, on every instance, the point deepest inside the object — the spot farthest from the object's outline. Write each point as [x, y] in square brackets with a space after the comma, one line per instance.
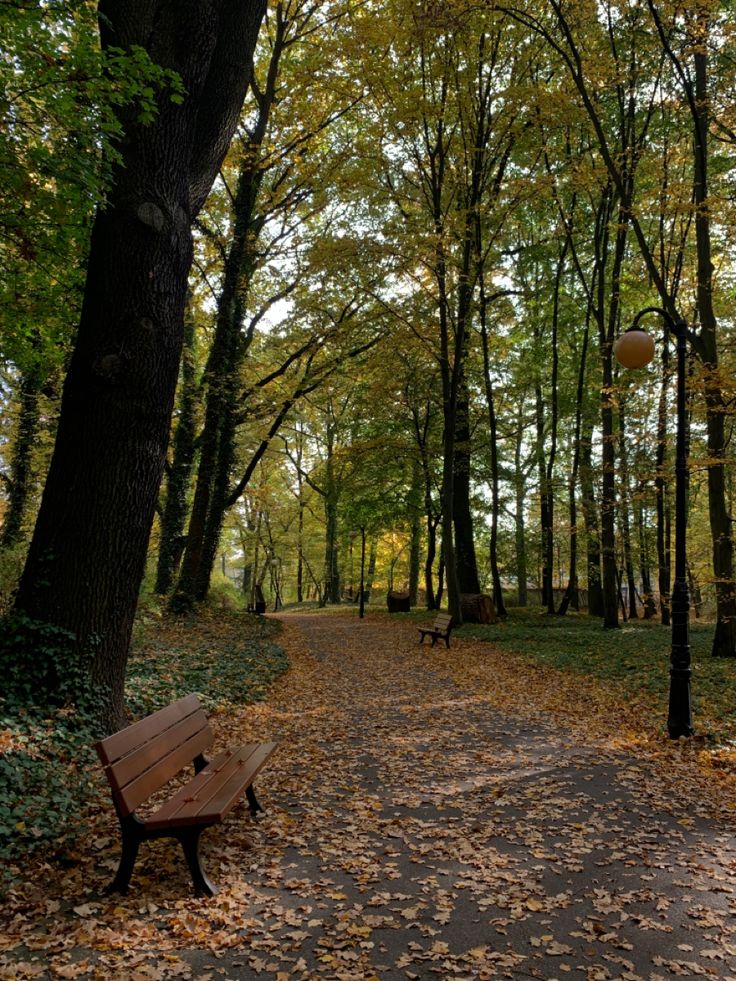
[225, 657]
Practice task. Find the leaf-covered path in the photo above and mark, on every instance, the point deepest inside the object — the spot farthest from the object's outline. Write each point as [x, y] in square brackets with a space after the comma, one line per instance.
[431, 814]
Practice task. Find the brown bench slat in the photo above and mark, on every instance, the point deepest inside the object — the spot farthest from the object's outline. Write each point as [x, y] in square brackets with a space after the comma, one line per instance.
[157, 776]
[441, 627]
[253, 758]
[129, 767]
[209, 796]
[128, 739]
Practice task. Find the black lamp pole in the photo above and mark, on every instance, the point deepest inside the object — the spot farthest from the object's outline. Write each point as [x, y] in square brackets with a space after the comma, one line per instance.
[679, 718]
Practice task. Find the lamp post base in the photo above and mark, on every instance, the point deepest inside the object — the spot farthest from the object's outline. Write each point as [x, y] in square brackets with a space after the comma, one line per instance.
[679, 719]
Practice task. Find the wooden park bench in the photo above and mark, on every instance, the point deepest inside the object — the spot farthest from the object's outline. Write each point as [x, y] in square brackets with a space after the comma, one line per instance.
[440, 628]
[145, 757]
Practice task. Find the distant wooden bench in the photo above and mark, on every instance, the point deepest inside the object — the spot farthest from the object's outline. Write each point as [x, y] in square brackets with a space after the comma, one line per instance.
[143, 758]
[440, 628]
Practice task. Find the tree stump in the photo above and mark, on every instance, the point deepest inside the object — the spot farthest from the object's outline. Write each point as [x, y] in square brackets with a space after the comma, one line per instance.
[398, 602]
[477, 608]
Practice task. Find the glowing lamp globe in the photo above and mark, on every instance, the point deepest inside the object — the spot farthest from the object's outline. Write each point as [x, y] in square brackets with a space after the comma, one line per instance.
[634, 348]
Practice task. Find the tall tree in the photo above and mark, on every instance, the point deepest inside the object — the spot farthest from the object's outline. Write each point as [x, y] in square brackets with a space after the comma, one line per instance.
[174, 512]
[88, 551]
[697, 27]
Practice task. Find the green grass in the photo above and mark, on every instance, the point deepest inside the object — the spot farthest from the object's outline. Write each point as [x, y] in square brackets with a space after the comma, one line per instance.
[635, 657]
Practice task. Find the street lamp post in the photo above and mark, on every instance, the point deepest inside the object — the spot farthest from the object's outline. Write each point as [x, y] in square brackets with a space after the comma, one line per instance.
[634, 349]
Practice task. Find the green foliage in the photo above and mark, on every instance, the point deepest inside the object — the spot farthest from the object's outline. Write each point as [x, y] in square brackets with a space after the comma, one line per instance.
[41, 665]
[46, 734]
[46, 768]
[224, 594]
[11, 566]
[60, 121]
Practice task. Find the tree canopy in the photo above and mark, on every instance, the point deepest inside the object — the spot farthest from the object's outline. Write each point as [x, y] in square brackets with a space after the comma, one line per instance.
[396, 243]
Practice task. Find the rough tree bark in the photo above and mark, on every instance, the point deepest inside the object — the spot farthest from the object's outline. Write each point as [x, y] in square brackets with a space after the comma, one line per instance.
[721, 525]
[625, 497]
[174, 515]
[592, 528]
[415, 516]
[520, 499]
[88, 552]
[493, 449]
[571, 597]
[664, 565]
[465, 557]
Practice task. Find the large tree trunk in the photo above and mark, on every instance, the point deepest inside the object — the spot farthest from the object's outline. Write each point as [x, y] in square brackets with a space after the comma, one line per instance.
[431, 600]
[608, 498]
[607, 327]
[592, 530]
[421, 430]
[724, 640]
[217, 508]
[660, 487]
[465, 558]
[221, 378]
[493, 452]
[229, 348]
[88, 552]
[552, 440]
[571, 597]
[546, 505]
[650, 608]
[495, 502]
[519, 520]
[625, 496]
[415, 515]
[174, 514]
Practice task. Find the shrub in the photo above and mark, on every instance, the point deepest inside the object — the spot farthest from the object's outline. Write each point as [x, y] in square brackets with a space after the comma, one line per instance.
[45, 767]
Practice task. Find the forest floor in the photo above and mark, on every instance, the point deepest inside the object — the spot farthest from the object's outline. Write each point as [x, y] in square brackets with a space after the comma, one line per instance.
[430, 814]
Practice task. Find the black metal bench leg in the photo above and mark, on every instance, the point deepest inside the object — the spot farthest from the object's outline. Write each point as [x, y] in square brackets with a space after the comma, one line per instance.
[131, 841]
[447, 642]
[253, 806]
[189, 838]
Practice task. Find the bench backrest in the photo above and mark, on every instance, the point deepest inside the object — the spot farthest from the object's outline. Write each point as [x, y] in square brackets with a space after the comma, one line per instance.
[142, 758]
[443, 622]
